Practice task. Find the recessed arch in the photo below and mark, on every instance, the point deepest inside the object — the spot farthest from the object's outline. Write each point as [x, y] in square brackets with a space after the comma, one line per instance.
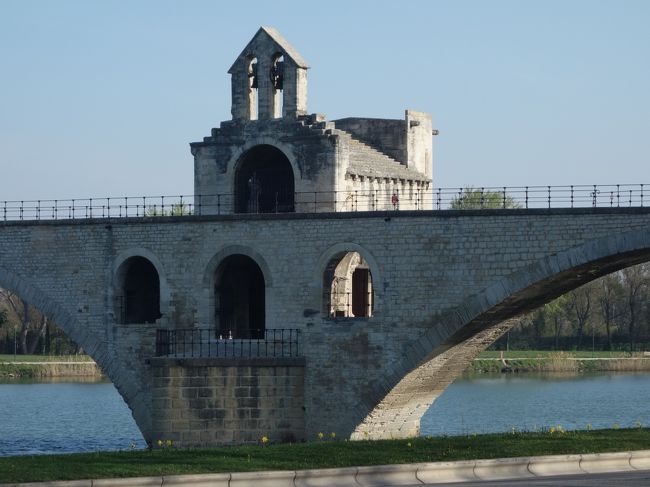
[211, 280]
[138, 291]
[348, 278]
[240, 298]
[264, 181]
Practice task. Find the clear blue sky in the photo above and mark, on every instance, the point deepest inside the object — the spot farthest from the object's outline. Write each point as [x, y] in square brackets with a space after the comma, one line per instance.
[102, 98]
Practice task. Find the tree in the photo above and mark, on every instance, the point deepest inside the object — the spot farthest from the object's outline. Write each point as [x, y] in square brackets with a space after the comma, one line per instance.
[472, 198]
[636, 282]
[177, 209]
[28, 318]
[579, 304]
[608, 294]
[555, 312]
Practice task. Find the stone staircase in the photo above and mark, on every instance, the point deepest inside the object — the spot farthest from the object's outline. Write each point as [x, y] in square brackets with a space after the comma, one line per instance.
[365, 159]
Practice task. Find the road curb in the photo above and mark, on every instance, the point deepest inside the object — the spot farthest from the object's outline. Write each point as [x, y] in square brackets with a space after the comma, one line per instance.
[383, 475]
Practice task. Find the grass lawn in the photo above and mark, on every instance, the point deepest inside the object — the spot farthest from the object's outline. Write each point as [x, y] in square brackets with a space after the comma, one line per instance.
[548, 354]
[44, 358]
[325, 454]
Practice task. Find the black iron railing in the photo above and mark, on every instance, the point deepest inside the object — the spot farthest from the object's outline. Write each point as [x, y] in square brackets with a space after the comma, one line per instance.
[209, 342]
[527, 197]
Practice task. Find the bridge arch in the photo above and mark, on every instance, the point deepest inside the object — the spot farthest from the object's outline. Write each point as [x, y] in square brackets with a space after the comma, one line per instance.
[457, 335]
[64, 318]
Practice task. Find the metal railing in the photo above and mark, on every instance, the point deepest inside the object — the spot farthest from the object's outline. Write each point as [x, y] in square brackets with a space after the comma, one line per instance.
[527, 197]
[209, 342]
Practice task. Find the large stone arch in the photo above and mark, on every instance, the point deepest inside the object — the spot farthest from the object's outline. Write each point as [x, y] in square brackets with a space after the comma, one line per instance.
[456, 336]
[99, 350]
[64, 318]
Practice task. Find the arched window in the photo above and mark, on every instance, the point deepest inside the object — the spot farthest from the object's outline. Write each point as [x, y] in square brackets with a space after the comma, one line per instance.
[139, 293]
[264, 182]
[239, 298]
[253, 98]
[277, 82]
[347, 287]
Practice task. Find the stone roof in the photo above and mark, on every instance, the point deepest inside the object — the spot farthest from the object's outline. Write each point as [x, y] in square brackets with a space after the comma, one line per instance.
[287, 49]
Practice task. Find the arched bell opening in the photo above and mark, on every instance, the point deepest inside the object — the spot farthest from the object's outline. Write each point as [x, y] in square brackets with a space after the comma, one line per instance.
[252, 92]
[264, 182]
[347, 287]
[138, 297]
[239, 297]
[276, 75]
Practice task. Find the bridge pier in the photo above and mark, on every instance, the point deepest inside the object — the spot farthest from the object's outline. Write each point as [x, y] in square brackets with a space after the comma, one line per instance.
[198, 402]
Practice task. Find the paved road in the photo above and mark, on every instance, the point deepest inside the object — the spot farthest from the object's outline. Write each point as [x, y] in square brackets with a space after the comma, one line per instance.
[627, 479]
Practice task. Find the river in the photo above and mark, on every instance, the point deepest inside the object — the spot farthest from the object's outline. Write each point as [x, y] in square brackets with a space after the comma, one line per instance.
[58, 417]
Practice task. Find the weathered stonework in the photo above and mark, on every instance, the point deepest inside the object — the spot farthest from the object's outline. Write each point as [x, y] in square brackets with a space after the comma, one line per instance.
[445, 284]
[440, 286]
[353, 163]
[211, 401]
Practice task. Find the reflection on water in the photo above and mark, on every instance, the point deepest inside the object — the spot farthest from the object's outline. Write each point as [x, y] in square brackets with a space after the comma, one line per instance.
[64, 416]
[489, 403]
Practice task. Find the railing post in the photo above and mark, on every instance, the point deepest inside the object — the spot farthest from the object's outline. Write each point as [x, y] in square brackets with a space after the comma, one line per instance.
[526, 197]
[641, 195]
[549, 196]
[572, 196]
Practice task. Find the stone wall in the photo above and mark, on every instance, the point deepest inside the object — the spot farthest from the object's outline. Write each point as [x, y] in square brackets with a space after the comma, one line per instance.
[202, 402]
[385, 135]
[439, 279]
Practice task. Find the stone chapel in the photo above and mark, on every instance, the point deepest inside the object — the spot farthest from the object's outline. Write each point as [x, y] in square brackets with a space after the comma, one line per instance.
[275, 157]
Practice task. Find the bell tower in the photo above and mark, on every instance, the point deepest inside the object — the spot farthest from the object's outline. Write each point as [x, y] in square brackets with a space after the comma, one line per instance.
[269, 79]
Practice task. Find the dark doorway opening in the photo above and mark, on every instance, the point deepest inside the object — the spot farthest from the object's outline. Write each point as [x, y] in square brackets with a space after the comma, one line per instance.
[264, 182]
[141, 292]
[361, 292]
[239, 299]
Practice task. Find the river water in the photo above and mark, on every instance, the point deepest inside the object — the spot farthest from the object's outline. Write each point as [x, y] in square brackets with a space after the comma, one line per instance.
[58, 417]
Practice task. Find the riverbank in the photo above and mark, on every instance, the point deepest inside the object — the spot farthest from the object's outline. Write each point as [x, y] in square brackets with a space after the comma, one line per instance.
[40, 366]
[569, 362]
[319, 454]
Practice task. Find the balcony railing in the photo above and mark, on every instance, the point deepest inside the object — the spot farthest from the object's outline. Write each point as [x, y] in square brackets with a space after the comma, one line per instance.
[526, 197]
[209, 342]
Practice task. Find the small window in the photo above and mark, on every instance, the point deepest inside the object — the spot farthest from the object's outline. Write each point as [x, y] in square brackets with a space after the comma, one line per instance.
[348, 290]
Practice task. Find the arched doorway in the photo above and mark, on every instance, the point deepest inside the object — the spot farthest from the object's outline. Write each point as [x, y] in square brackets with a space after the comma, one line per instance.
[264, 182]
[239, 298]
[139, 295]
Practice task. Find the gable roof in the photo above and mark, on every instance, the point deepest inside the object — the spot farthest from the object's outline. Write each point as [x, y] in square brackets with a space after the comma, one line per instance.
[287, 49]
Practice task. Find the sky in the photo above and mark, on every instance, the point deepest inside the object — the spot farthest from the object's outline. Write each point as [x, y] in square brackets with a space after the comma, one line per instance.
[101, 98]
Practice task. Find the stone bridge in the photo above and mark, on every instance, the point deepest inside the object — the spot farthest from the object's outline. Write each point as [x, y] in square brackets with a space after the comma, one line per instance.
[441, 286]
